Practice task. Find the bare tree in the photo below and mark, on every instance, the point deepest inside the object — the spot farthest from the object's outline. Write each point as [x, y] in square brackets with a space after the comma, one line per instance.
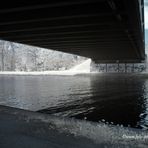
[13, 60]
[2, 53]
[18, 57]
[33, 53]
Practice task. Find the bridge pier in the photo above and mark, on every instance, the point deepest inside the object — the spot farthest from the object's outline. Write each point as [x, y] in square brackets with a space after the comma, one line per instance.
[125, 68]
[106, 67]
[133, 68]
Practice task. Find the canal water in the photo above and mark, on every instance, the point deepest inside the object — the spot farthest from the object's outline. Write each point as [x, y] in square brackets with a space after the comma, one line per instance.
[119, 99]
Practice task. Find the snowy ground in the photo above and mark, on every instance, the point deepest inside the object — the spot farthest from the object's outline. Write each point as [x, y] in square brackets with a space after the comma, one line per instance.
[44, 73]
[20, 128]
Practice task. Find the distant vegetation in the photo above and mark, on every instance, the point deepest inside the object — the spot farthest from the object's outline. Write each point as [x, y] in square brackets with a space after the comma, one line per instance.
[19, 57]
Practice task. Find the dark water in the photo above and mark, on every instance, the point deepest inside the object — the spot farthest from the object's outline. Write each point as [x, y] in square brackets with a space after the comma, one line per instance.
[113, 98]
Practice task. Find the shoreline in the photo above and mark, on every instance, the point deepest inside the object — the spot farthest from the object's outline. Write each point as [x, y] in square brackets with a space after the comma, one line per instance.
[37, 130]
[66, 72]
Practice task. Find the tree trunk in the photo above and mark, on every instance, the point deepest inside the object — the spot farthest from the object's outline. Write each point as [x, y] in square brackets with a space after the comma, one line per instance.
[2, 57]
[13, 58]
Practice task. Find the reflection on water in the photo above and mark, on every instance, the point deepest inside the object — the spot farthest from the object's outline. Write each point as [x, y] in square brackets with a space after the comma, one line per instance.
[117, 98]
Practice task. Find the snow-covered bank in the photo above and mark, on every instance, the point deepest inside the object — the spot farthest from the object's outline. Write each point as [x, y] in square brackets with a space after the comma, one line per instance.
[44, 73]
[65, 72]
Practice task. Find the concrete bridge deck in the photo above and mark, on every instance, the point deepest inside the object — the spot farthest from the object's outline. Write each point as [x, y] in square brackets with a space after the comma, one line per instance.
[104, 30]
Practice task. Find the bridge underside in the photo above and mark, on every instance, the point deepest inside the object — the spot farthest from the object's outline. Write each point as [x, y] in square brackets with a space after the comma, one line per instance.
[104, 30]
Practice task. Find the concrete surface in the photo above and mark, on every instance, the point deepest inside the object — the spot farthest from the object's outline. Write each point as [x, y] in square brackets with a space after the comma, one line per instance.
[103, 30]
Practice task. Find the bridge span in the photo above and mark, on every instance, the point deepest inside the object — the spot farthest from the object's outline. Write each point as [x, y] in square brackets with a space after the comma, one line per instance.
[104, 30]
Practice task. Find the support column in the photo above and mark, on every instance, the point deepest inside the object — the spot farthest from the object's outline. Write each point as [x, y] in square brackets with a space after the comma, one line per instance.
[125, 68]
[93, 66]
[133, 68]
[118, 67]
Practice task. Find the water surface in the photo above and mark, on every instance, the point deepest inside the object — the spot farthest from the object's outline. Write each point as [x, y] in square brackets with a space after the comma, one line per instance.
[112, 98]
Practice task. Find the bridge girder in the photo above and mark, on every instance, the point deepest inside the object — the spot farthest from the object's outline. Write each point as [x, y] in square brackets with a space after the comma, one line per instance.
[104, 30]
